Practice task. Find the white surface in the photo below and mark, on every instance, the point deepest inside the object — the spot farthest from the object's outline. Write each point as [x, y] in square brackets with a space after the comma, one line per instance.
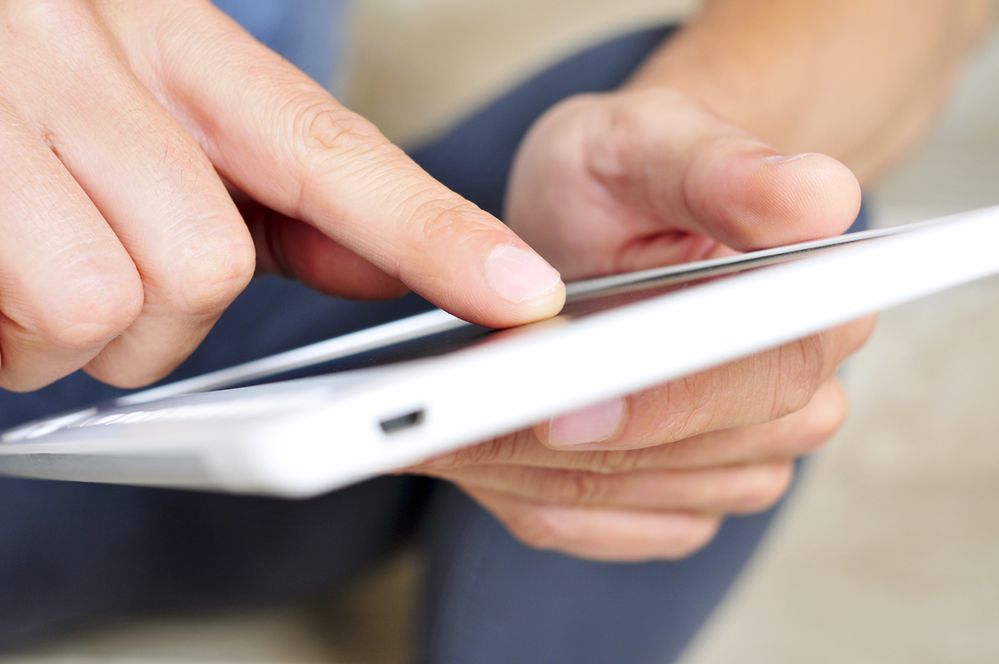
[305, 437]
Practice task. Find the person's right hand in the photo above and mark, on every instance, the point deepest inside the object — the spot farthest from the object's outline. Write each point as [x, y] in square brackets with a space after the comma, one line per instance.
[121, 125]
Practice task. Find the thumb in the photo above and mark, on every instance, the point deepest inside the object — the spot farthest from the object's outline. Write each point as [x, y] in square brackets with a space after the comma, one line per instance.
[282, 139]
[680, 168]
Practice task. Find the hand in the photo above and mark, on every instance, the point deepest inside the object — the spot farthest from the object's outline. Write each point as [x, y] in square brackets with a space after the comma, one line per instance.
[641, 178]
[121, 126]
[656, 488]
[619, 182]
[653, 175]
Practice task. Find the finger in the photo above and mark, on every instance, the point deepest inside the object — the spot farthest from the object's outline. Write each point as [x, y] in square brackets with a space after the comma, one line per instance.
[786, 438]
[156, 189]
[699, 173]
[67, 286]
[600, 534]
[721, 490]
[752, 390]
[294, 249]
[789, 437]
[281, 138]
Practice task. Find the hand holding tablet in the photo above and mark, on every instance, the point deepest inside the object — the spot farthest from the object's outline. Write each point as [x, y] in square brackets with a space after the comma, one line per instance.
[310, 435]
[660, 468]
[602, 185]
[649, 194]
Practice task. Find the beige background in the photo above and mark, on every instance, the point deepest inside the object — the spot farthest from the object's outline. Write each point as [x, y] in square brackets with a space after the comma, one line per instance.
[459, 62]
[888, 554]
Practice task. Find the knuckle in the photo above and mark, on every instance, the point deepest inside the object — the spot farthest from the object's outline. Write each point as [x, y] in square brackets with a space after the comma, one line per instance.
[94, 313]
[688, 405]
[797, 375]
[503, 450]
[619, 461]
[321, 126]
[448, 221]
[448, 462]
[323, 139]
[477, 455]
[583, 488]
[212, 279]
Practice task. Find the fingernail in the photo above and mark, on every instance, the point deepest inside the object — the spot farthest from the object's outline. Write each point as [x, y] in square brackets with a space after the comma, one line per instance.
[785, 159]
[520, 275]
[587, 425]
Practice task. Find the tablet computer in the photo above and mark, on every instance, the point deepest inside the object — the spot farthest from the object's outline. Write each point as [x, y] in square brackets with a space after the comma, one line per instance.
[320, 417]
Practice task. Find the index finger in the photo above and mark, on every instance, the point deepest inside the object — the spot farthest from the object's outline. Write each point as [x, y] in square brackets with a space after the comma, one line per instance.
[281, 138]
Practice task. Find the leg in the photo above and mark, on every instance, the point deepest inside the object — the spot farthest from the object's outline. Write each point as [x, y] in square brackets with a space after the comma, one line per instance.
[490, 599]
[75, 553]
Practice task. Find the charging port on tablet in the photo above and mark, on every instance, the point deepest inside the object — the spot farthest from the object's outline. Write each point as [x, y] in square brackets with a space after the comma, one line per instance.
[402, 422]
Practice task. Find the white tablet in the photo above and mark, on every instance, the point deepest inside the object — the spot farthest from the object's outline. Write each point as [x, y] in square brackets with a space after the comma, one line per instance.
[393, 395]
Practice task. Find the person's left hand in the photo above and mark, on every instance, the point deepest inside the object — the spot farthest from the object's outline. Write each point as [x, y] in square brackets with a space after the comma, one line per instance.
[625, 181]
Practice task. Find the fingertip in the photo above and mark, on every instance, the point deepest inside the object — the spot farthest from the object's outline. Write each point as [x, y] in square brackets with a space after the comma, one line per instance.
[484, 274]
[755, 199]
[819, 188]
[519, 275]
[491, 311]
[527, 288]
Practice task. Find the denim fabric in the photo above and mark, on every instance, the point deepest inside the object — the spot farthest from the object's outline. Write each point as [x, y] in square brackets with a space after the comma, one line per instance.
[307, 32]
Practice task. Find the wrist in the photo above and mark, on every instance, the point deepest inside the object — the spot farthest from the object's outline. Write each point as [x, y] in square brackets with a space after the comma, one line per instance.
[741, 74]
[809, 76]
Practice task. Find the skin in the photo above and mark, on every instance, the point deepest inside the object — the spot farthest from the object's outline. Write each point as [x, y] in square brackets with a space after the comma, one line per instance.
[686, 162]
[153, 157]
[125, 125]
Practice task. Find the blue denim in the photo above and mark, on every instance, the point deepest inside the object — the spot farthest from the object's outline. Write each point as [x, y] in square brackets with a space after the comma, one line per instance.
[307, 32]
[73, 554]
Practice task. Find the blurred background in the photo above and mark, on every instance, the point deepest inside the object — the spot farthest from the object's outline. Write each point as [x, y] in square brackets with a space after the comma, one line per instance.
[888, 553]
